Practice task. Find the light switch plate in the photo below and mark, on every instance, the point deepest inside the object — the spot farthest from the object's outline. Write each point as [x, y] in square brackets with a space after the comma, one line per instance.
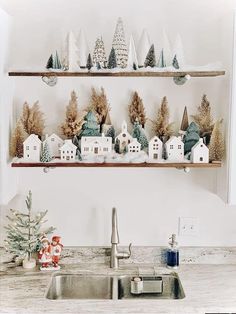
[188, 226]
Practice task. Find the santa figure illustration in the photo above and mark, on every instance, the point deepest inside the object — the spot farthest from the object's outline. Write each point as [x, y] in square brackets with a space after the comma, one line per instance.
[45, 253]
[56, 248]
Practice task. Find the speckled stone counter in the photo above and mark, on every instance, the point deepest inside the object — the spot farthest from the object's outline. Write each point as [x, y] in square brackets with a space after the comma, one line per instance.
[208, 288]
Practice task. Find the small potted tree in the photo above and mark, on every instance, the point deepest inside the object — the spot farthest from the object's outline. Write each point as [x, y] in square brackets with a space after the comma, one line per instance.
[24, 232]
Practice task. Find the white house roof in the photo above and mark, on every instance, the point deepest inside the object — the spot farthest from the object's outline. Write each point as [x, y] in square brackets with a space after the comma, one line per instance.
[155, 139]
[134, 142]
[95, 139]
[68, 145]
[200, 145]
[174, 140]
[33, 139]
[55, 136]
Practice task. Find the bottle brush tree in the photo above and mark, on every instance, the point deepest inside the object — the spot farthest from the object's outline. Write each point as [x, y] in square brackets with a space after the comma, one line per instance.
[139, 134]
[204, 119]
[24, 230]
[175, 63]
[112, 59]
[191, 137]
[89, 62]
[45, 153]
[150, 58]
[90, 126]
[137, 110]
[74, 121]
[161, 126]
[17, 139]
[217, 145]
[99, 104]
[33, 119]
[49, 64]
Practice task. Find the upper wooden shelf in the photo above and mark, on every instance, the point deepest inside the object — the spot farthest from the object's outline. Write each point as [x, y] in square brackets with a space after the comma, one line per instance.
[119, 74]
[116, 165]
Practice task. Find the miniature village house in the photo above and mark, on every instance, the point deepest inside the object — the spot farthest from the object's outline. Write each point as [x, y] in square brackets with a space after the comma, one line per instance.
[134, 146]
[68, 151]
[96, 145]
[174, 149]
[54, 143]
[155, 149]
[200, 152]
[32, 148]
[124, 138]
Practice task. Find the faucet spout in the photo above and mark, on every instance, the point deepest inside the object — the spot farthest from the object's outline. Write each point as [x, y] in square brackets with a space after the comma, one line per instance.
[114, 234]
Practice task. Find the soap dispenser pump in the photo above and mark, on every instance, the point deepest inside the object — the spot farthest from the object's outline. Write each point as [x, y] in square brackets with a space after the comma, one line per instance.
[173, 253]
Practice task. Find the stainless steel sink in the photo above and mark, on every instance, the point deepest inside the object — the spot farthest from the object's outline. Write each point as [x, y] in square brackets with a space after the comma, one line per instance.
[80, 286]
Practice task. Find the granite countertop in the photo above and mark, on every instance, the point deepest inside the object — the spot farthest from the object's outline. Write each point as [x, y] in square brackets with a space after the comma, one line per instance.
[208, 288]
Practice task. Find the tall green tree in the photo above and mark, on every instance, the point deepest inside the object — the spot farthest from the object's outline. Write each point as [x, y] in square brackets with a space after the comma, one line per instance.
[139, 134]
[90, 126]
[151, 58]
[112, 63]
[191, 137]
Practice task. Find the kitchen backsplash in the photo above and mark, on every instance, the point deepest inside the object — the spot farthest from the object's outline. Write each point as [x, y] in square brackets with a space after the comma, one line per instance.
[143, 255]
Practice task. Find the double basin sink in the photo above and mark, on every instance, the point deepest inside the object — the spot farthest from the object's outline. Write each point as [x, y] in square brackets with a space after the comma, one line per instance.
[110, 287]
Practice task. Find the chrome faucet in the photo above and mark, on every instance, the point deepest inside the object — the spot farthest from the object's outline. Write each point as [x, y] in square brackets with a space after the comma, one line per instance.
[115, 254]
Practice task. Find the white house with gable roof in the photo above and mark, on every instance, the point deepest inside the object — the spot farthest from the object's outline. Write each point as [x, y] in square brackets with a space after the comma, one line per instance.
[32, 148]
[200, 152]
[155, 149]
[124, 138]
[54, 143]
[174, 149]
[68, 151]
[134, 146]
[96, 145]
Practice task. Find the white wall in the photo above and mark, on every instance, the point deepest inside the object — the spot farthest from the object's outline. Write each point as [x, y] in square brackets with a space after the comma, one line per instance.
[149, 201]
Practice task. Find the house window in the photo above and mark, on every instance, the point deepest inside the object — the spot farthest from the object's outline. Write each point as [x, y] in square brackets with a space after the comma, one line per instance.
[171, 146]
[105, 149]
[72, 152]
[201, 158]
[63, 157]
[179, 146]
[124, 135]
[71, 157]
[27, 147]
[155, 156]
[155, 140]
[59, 145]
[52, 139]
[35, 147]
[67, 157]
[28, 156]
[86, 149]
[67, 152]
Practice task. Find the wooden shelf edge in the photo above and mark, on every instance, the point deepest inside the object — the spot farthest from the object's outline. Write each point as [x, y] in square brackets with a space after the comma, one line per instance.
[120, 74]
[115, 165]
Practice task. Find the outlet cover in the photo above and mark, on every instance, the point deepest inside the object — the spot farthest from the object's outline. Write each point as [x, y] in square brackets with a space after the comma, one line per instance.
[188, 226]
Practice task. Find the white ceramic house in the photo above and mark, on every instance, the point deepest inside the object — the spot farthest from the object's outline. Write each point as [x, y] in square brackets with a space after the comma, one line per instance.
[32, 148]
[124, 138]
[96, 145]
[200, 152]
[134, 146]
[155, 149]
[68, 151]
[174, 149]
[54, 143]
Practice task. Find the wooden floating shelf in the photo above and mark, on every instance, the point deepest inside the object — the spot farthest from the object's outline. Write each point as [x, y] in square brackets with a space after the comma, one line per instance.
[120, 74]
[115, 165]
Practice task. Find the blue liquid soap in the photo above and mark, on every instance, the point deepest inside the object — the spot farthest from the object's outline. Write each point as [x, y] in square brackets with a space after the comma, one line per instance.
[173, 253]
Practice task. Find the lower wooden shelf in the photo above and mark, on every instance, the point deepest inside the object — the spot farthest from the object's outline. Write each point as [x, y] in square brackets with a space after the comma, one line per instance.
[114, 165]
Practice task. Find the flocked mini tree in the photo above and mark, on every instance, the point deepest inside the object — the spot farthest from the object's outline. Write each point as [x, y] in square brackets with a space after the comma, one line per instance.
[139, 134]
[57, 62]
[99, 104]
[150, 60]
[74, 121]
[161, 61]
[33, 119]
[137, 110]
[17, 140]
[204, 119]
[24, 230]
[119, 45]
[112, 63]
[161, 126]
[175, 63]
[45, 153]
[217, 145]
[191, 137]
[90, 126]
[99, 54]
[108, 129]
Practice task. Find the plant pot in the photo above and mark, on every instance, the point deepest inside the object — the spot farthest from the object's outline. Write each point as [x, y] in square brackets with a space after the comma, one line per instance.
[29, 264]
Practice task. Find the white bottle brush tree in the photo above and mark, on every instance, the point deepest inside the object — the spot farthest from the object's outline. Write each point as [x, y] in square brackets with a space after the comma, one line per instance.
[25, 230]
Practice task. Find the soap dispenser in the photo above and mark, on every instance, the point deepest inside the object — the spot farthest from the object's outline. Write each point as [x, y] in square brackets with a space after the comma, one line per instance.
[173, 253]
